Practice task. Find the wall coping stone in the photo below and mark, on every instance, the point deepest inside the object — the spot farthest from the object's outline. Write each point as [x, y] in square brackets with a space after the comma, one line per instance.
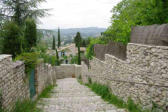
[4, 56]
[150, 46]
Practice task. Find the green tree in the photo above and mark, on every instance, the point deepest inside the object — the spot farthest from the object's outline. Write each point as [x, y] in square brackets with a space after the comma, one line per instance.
[53, 45]
[57, 58]
[130, 13]
[78, 40]
[20, 10]
[59, 38]
[30, 33]
[12, 39]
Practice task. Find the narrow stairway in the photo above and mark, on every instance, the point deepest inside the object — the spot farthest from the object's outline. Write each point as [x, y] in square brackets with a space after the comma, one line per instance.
[70, 96]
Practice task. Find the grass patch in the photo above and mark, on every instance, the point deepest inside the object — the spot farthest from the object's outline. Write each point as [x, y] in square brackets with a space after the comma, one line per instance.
[46, 92]
[104, 92]
[29, 105]
[26, 106]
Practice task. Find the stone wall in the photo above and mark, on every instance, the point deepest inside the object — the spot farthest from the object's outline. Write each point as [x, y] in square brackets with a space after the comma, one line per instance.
[116, 49]
[143, 76]
[67, 71]
[45, 75]
[15, 85]
[150, 35]
[12, 81]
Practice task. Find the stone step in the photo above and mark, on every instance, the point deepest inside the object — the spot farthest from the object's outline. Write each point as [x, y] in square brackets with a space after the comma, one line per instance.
[73, 100]
[65, 110]
[81, 108]
[78, 94]
[70, 96]
[68, 90]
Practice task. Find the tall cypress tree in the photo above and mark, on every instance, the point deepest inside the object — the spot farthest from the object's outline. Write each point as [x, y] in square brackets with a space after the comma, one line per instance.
[57, 58]
[30, 33]
[59, 38]
[53, 45]
[78, 43]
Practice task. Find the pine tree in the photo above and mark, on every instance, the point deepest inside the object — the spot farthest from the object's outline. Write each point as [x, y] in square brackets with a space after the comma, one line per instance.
[53, 45]
[59, 38]
[20, 10]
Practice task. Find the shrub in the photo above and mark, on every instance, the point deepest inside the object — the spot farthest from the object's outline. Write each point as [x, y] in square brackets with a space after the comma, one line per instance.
[49, 59]
[30, 60]
[90, 48]
[12, 39]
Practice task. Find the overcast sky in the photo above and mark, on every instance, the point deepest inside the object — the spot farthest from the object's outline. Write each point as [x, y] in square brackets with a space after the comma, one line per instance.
[78, 13]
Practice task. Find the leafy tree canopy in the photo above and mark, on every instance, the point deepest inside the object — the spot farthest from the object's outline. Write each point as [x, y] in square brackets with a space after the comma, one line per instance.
[20, 10]
[130, 13]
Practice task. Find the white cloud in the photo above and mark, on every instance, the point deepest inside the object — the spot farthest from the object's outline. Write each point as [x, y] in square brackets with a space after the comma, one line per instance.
[78, 13]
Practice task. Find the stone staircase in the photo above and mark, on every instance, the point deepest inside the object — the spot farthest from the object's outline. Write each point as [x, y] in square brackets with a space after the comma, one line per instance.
[70, 96]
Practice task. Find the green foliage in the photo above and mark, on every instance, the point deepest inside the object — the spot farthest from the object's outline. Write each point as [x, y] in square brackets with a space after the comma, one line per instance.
[78, 40]
[85, 41]
[30, 106]
[30, 34]
[45, 92]
[57, 59]
[74, 60]
[80, 77]
[30, 60]
[26, 106]
[104, 92]
[79, 56]
[41, 47]
[53, 45]
[59, 38]
[12, 39]
[20, 10]
[53, 60]
[130, 13]
[1, 44]
[90, 80]
[90, 48]
[132, 107]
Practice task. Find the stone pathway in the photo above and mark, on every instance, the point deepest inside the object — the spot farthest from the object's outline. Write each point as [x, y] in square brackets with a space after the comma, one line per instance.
[70, 96]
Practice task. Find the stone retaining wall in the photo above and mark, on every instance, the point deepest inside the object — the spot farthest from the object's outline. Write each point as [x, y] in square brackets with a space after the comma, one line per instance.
[15, 86]
[143, 76]
[68, 71]
[45, 75]
[12, 81]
